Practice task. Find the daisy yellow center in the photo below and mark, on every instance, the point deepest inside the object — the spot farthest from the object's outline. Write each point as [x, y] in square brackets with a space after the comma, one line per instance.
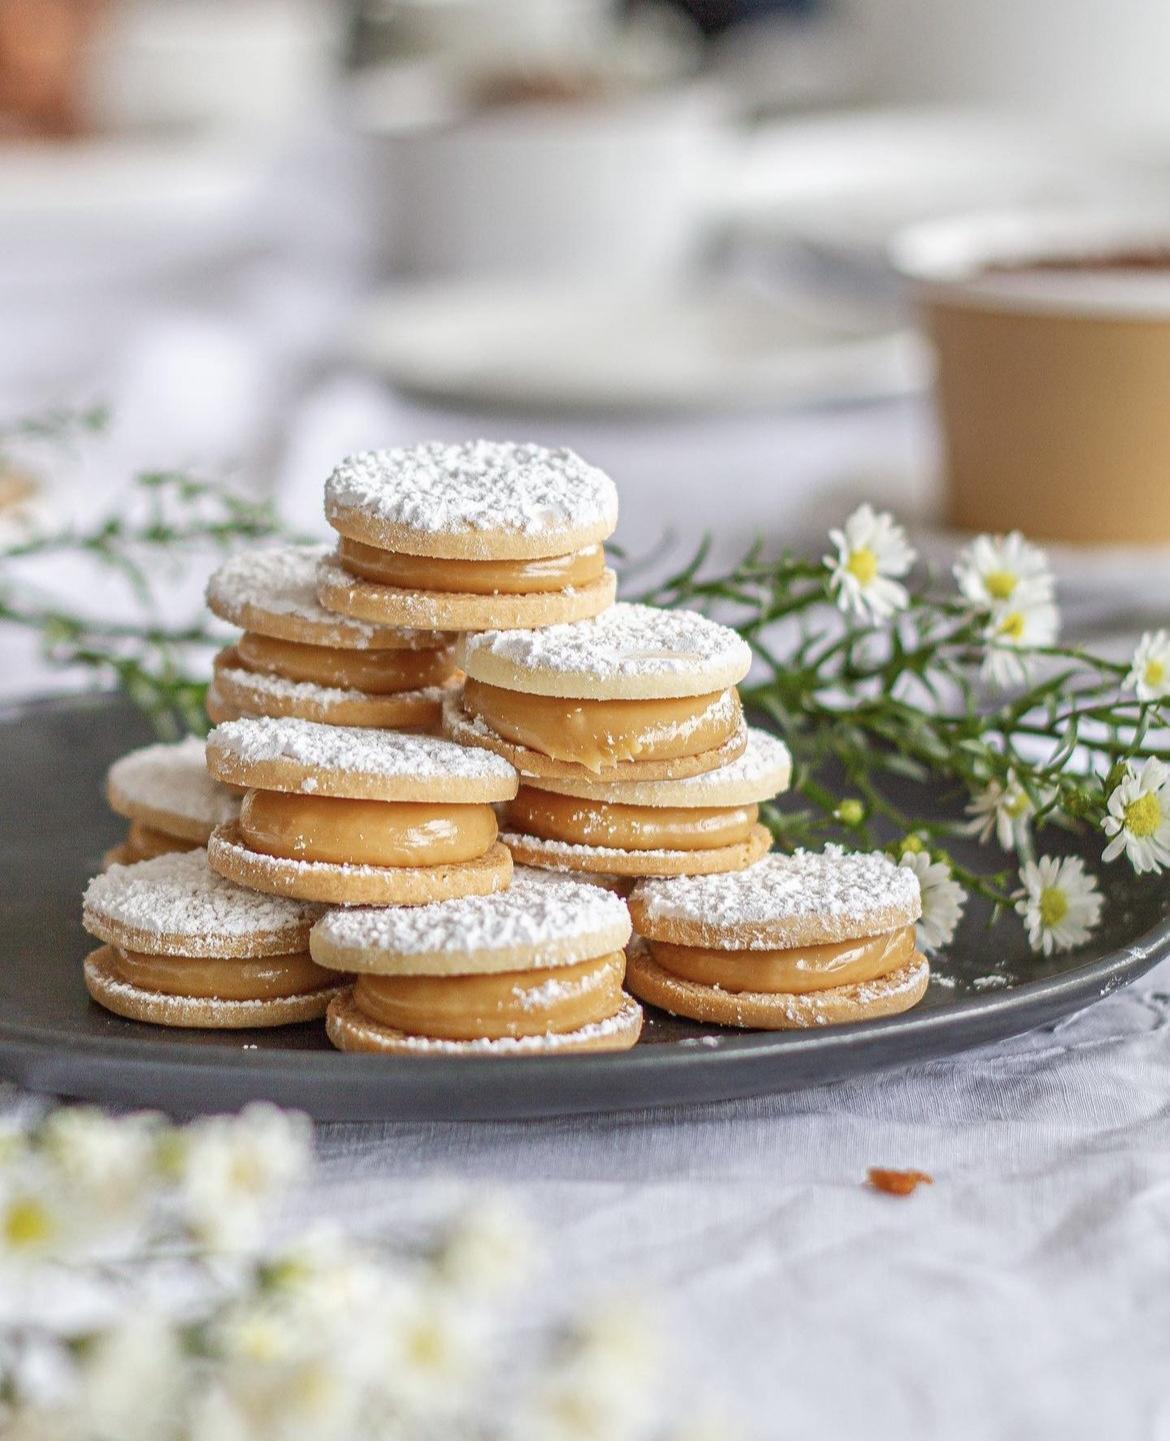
[26, 1223]
[1017, 805]
[1155, 672]
[1012, 626]
[1143, 816]
[862, 564]
[1053, 906]
[1001, 584]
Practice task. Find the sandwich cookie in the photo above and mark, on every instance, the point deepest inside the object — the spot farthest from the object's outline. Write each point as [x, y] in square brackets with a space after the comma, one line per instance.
[184, 947]
[295, 658]
[534, 970]
[694, 826]
[171, 802]
[466, 537]
[637, 694]
[358, 817]
[793, 941]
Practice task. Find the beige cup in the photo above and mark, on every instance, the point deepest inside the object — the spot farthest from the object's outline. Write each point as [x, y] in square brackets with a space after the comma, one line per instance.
[1052, 339]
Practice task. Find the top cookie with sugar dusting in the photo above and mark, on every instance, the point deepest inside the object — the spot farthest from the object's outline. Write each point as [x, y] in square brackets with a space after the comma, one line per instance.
[476, 500]
[782, 901]
[629, 652]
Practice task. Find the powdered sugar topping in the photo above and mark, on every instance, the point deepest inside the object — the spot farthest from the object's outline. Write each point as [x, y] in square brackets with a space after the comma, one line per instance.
[172, 777]
[179, 895]
[841, 888]
[282, 580]
[536, 910]
[479, 485]
[626, 642]
[355, 750]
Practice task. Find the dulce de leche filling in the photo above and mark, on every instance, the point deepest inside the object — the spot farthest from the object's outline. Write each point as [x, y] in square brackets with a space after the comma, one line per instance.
[374, 833]
[143, 843]
[628, 828]
[514, 1003]
[471, 577]
[596, 733]
[377, 672]
[270, 978]
[801, 969]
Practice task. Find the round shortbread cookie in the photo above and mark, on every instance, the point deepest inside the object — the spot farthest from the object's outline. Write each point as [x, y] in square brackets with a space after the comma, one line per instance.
[456, 610]
[805, 899]
[468, 730]
[479, 500]
[776, 1011]
[539, 921]
[307, 758]
[274, 593]
[631, 652]
[350, 1029]
[176, 905]
[342, 885]
[237, 692]
[607, 860]
[762, 771]
[108, 989]
[166, 787]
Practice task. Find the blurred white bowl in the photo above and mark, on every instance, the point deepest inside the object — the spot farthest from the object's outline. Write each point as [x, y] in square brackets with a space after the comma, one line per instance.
[615, 185]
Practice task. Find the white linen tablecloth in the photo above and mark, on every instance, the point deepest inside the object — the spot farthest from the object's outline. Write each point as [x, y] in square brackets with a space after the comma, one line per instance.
[1027, 1292]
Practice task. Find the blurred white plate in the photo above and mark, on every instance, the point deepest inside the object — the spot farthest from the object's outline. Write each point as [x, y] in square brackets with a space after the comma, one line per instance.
[110, 209]
[511, 344]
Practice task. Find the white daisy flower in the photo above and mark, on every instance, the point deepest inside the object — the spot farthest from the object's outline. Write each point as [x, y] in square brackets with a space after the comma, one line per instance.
[1138, 817]
[1003, 809]
[943, 900]
[1149, 676]
[1012, 631]
[1059, 903]
[872, 550]
[1004, 572]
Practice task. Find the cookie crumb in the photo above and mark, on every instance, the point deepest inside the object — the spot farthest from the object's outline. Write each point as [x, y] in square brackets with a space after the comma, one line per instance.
[897, 1183]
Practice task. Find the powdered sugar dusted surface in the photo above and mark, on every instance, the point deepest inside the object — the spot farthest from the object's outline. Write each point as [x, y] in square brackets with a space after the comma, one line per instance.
[841, 887]
[309, 693]
[282, 580]
[480, 485]
[179, 895]
[626, 642]
[172, 777]
[536, 910]
[354, 749]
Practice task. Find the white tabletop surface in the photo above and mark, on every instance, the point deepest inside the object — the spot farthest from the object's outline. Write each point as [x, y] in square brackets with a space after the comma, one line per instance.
[1026, 1293]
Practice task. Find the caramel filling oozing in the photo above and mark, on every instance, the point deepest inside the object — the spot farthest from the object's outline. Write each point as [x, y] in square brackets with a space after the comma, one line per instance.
[596, 733]
[143, 843]
[377, 672]
[373, 833]
[270, 978]
[514, 1003]
[471, 577]
[628, 828]
[804, 968]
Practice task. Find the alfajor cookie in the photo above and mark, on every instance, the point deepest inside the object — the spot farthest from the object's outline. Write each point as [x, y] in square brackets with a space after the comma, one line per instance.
[171, 802]
[356, 816]
[534, 970]
[295, 658]
[636, 694]
[793, 941]
[693, 826]
[468, 536]
[185, 947]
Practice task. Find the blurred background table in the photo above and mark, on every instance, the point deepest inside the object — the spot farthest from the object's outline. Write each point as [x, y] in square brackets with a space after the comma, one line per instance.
[217, 255]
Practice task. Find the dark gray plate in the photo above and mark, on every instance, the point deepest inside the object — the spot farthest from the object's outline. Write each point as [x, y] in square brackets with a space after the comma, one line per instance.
[52, 1038]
